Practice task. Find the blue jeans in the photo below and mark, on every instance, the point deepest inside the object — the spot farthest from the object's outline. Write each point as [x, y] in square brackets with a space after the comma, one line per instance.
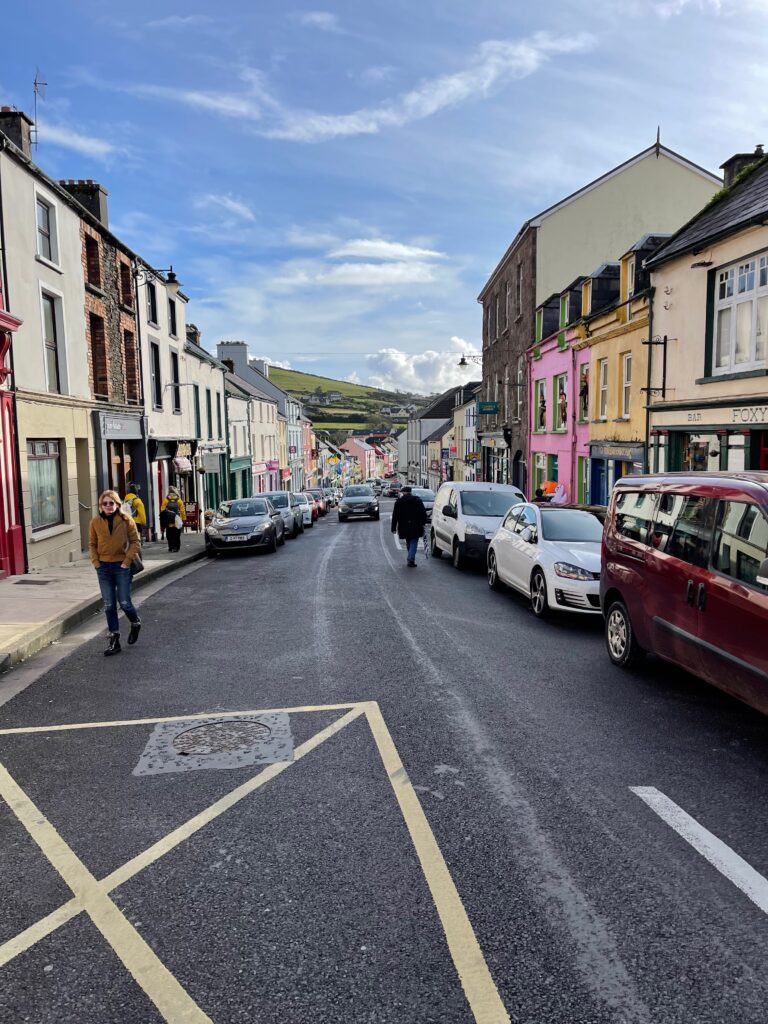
[115, 583]
[413, 547]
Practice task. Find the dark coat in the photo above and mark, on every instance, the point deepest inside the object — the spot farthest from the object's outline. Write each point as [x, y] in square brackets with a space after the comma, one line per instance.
[409, 517]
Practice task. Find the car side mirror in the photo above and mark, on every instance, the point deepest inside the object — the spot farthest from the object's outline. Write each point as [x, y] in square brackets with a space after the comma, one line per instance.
[528, 535]
[762, 573]
[448, 511]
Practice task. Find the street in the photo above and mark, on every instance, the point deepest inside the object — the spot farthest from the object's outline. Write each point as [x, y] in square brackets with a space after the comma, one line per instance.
[457, 838]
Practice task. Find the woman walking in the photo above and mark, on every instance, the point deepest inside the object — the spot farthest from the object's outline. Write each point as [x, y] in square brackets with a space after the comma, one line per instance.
[173, 513]
[113, 544]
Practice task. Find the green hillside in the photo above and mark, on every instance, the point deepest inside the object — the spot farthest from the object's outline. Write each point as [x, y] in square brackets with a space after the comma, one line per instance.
[360, 407]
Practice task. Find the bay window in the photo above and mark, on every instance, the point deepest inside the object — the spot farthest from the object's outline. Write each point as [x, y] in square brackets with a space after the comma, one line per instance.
[741, 316]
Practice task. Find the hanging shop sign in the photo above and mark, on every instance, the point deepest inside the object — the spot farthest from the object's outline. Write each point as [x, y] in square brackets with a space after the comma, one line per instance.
[273, 465]
[286, 474]
[487, 408]
[292, 449]
[434, 464]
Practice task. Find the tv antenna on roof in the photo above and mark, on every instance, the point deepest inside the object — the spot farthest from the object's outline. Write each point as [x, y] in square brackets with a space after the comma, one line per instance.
[38, 88]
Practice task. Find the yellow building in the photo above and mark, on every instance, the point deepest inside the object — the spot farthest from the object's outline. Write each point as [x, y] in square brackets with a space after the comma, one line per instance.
[611, 395]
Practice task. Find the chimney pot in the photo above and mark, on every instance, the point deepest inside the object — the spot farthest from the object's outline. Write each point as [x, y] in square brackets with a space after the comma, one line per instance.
[736, 164]
[91, 195]
[17, 126]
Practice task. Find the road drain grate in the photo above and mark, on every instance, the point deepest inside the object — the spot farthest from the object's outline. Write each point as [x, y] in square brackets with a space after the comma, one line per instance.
[32, 583]
[195, 744]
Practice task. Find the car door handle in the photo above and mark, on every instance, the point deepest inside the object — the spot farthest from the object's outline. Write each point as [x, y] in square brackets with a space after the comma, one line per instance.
[701, 600]
[689, 593]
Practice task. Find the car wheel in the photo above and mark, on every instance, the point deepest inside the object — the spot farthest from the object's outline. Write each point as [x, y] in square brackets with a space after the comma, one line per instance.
[310, 524]
[623, 648]
[458, 558]
[493, 572]
[296, 530]
[273, 545]
[375, 518]
[539, 601]
[342, 519]
[434, 550]
[281, 538]
[211, 551]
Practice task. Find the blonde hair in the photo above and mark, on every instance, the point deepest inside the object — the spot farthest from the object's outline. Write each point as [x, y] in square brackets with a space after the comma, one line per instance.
[117, 499]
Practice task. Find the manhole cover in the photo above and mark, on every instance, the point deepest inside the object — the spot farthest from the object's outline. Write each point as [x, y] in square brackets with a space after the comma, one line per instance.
[32, 583]
[220, 737]
[217, 742]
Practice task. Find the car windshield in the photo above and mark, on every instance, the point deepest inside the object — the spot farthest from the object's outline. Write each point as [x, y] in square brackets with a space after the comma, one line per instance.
[317, 494]
[424, 493]
[570, 524]
[279, 500]
[302, 499]
[487, 503]
[236, 509]
[358, 492]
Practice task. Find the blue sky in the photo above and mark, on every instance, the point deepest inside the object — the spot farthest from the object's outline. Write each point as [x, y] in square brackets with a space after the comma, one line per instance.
[333, 182]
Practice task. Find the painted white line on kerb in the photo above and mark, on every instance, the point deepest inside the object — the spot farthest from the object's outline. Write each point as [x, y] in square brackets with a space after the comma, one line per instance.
[720, 856]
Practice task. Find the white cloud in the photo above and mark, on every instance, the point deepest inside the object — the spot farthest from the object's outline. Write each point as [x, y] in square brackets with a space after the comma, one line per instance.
[376, 275]
[67, 138]
[379, 248]
[323, 20]
[377, 73]
[227, 203]
[353, 378]
[423, 372]
[181, 21]
[494, 63]
[280, 364]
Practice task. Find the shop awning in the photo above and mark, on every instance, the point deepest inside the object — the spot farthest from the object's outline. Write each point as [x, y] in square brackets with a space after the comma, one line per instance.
[182, 465]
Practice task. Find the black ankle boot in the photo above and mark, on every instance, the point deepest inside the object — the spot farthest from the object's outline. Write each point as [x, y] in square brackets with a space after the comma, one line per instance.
[114, 645]
[133, 636]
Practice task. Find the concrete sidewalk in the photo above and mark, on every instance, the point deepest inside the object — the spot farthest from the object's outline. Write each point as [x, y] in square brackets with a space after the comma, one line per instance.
[40, 607]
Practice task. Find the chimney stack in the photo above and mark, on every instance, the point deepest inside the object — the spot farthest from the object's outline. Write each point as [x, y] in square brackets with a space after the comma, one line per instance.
[17, 126]
[193, 335]
[89, 194]
[733, 167]
[230, 364]
[262, 366]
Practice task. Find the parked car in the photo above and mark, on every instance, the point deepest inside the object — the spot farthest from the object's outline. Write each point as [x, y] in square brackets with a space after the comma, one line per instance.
[393, 489]
[245, 523]
[285, 503]
[308, 509]
[358, 500]
[317, 494]
[550, 553]
[427, 496]
[313, 504]
[465, 518]
[330, 497]
[685, 576]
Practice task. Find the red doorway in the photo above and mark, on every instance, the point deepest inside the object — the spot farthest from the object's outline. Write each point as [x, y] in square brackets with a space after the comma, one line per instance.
[763, 451]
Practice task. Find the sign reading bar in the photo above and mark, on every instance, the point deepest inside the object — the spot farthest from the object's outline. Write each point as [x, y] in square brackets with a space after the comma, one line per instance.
[487, 408]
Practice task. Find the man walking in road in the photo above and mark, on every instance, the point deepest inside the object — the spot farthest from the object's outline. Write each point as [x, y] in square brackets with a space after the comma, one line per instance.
[409, 517]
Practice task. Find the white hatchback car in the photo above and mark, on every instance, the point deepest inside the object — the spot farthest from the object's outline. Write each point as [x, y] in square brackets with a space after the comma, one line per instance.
[551, 553]
[466, 516]
[302, 500]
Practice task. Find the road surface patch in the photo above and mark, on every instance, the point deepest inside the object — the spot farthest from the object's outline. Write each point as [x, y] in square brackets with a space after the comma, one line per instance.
[92, 896]
[714, 850]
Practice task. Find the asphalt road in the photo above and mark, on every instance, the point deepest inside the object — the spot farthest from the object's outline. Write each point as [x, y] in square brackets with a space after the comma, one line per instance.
[536, 883]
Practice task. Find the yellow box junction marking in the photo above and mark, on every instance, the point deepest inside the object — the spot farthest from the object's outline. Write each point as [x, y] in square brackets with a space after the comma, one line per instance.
[92, 896]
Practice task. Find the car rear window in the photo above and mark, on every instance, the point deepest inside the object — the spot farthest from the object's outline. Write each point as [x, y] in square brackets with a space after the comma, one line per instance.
[741, 540]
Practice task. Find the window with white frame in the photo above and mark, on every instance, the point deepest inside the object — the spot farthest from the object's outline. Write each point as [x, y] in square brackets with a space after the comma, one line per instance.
[626, 383]
[602, 401]
[498, 314]
[507, 301]
[519, 295]
[44, 472]
[560, 399]
[587, 298]
[519, 388]
[630, 285]
[152, 304]
[741, 316]
[52, 342]
[47, 240]
[540, 411]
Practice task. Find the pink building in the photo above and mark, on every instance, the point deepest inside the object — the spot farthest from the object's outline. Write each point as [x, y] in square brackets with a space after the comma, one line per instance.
[558, 382]
[365, 455]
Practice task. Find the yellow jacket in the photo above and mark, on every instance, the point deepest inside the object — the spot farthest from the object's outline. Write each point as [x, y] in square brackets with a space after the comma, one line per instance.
[141, 513]
[122, 545]
[179, 502]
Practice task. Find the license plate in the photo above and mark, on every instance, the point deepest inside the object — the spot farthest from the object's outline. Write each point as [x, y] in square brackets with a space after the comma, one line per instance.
[230, 539]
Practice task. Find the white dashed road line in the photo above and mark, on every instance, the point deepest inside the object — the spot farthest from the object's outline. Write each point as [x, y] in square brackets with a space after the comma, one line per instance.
[720, 856]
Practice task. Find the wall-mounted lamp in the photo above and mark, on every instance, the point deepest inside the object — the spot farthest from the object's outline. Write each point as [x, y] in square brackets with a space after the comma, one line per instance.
[466, 360]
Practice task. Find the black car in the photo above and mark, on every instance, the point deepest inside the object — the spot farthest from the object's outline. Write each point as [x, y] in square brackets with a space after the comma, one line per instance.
[358, 500]
[245, 523]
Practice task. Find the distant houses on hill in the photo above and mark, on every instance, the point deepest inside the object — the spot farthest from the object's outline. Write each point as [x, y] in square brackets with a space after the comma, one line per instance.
[323, 397]
[397, 410]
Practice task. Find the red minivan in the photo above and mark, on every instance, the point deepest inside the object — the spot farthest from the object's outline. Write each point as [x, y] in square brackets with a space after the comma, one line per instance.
[685, 576]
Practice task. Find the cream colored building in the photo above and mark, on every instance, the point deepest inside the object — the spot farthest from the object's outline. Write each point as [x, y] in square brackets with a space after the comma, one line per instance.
[709, 397]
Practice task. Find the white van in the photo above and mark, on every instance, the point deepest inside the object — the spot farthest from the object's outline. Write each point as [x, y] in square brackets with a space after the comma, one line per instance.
[465, 518]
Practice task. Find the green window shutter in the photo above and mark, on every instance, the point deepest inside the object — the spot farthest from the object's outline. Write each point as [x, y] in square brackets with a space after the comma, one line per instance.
[537, 353]
[539, 323]
[709, 333]
[561, 341]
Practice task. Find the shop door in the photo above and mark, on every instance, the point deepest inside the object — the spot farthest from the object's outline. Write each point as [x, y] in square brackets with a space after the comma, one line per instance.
[119, 466]
[598, 492]
[763, 451]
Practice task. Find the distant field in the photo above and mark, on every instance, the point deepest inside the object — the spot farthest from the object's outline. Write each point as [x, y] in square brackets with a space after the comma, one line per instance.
[335, 425]
[305, 383]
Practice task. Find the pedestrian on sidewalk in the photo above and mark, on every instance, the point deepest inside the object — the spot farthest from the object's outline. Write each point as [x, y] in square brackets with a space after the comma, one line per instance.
[134, 507]
[113, 544]
[172, 518]
[409, 517]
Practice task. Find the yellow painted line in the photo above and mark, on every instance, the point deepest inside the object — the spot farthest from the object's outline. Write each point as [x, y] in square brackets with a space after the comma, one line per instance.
[174, 718]
[174, 1004]
[46, 925]
[479, 988]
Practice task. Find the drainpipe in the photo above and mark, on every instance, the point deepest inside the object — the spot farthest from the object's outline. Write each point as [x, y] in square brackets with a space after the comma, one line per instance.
[651, 293]
[14, 388]
[573, 406]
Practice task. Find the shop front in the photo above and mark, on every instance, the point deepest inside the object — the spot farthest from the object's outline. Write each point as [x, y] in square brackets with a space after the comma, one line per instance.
[120, 446]
[719, 436]
[273, 475]
[258, 477]
[609, 461]
[11, 528]
[495, 451]
[213, 462]
[240, 485]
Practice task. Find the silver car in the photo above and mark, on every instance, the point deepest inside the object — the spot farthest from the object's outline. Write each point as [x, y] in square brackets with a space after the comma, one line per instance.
[306, 509]
[289, 508]
[427, 496]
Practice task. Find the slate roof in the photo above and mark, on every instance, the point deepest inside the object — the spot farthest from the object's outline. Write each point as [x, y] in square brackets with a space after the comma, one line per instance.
[742, 205]
[440, 406]
[436, 435]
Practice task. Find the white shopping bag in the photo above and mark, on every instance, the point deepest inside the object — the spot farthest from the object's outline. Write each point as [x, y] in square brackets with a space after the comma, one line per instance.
[425, 543]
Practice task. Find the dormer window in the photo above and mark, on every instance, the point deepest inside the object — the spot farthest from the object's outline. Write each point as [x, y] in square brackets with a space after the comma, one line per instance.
[586, 298]
[630, 285]
[564, 310]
